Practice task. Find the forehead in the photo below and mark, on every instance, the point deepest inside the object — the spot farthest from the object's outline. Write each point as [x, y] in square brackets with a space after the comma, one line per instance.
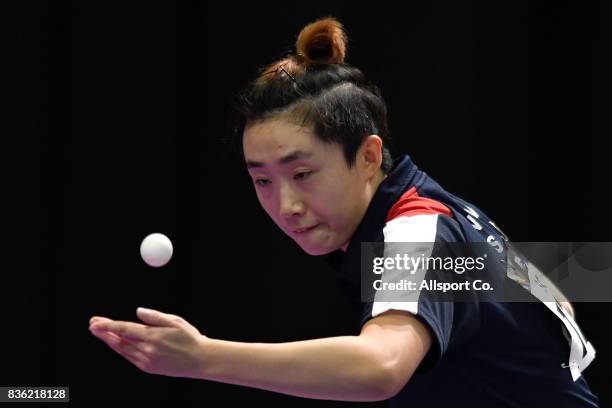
[273, 138]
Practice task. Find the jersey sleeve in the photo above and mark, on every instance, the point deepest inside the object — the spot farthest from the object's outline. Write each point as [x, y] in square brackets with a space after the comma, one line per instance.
[439, 316]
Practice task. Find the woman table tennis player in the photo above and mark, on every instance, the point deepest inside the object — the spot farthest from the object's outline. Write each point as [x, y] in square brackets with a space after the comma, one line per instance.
[314, 140]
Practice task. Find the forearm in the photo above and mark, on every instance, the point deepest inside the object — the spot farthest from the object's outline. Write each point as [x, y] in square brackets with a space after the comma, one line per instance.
[335, 368]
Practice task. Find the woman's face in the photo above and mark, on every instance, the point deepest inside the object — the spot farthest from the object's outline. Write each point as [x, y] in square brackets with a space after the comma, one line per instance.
[305, 185]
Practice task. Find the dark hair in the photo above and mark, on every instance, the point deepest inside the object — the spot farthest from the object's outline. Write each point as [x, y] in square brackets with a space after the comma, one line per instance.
[315, 87]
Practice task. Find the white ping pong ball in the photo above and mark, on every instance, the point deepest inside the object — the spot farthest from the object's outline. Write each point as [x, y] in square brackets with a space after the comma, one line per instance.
[156, 249]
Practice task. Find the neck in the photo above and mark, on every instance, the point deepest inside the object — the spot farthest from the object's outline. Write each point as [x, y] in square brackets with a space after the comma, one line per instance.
[375, 184]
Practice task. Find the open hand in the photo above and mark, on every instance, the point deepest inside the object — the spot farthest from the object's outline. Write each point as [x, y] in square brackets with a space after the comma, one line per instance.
[166, 344]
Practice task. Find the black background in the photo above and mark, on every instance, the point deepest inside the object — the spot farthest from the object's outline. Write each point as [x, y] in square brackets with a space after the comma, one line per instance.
[114, 116]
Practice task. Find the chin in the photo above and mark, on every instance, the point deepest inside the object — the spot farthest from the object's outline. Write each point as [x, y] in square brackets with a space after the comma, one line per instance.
[318, 250]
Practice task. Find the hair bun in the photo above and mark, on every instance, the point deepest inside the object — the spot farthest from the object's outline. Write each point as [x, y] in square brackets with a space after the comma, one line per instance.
[322, 42]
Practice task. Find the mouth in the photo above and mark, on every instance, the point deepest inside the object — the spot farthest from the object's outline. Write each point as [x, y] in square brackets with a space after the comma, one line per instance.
[306, 229]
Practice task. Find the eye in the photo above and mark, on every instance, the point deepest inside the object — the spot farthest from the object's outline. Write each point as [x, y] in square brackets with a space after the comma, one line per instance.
[262, 182]
[303, 175]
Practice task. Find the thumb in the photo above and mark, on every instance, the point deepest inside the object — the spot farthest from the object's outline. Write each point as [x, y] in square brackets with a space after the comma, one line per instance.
[157, 318]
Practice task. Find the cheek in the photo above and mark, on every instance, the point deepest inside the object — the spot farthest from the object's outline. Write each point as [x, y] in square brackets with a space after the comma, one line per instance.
[341, 207]
[271, 205]
[266, 203]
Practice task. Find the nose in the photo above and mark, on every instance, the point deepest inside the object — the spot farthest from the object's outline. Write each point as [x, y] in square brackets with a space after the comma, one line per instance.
[290, 203]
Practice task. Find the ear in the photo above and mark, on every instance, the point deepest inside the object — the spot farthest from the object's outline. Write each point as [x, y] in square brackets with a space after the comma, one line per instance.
[371, 154]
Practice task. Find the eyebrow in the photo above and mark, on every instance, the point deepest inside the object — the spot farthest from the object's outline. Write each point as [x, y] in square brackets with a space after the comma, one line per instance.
[293, 156]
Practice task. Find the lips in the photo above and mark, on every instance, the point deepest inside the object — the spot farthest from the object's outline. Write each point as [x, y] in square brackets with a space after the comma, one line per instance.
[305, 229]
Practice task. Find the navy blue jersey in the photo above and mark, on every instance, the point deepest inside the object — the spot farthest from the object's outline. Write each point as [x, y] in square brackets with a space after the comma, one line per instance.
[483, 354]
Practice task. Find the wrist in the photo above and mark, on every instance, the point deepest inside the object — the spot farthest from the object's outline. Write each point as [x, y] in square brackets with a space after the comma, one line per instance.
[203, 357]
[207, 358]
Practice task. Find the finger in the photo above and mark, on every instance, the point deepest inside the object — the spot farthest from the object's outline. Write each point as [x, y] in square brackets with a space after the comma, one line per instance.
[121, 346]
[135, 357]
[142, 346]
[157, 318]
[129, 330]
[137, 343]
[97, 319]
